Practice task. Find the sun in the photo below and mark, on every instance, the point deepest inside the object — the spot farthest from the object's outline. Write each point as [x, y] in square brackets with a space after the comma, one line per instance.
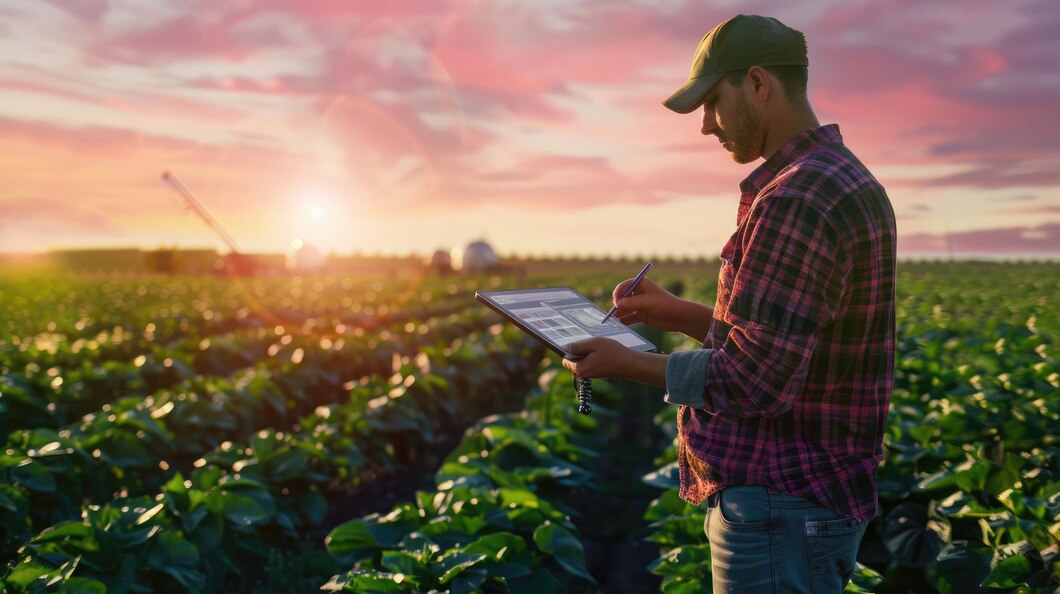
[318, 217]
[316, 205]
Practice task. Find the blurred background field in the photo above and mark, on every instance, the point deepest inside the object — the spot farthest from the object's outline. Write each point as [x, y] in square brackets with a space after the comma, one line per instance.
[379, 430]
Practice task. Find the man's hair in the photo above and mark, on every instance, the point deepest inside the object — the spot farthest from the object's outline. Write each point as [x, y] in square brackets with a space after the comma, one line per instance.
[792, 78]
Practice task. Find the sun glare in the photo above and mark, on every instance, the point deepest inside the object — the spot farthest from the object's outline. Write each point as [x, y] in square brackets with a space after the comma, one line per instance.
[319, 218]
[316, 204]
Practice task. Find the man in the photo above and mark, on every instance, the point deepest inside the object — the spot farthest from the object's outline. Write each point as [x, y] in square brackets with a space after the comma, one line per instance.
[781, 414]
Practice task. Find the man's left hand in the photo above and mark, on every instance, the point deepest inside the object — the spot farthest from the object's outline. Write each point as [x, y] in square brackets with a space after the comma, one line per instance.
[603, 357]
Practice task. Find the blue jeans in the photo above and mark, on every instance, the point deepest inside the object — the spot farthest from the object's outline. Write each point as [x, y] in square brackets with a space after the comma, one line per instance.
[763, 540]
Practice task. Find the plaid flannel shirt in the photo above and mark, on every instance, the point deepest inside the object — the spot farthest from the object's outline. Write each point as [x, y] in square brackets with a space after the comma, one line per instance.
[793, 385]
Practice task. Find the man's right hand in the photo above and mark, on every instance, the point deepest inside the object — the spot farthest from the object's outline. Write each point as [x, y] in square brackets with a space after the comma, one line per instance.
[655, 306]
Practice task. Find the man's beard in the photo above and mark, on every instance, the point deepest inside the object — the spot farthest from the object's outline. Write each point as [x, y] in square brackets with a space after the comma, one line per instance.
[747, 136]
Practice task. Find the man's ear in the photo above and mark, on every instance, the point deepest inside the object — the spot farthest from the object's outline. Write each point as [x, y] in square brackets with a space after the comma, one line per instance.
[760, 83]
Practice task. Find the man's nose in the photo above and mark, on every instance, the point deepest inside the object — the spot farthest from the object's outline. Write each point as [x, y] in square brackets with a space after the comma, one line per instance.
[710, 124]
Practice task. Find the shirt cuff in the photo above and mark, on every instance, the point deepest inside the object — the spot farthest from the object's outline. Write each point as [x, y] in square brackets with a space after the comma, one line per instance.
[686, 377]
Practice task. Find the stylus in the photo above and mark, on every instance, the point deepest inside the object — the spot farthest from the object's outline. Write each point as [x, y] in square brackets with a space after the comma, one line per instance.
[629, 291]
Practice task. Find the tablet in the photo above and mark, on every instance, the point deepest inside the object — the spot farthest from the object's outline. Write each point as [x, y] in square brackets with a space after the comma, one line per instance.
[558, 316]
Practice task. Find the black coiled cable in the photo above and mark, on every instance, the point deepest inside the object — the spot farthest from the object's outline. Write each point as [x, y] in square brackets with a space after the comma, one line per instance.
[583, 387]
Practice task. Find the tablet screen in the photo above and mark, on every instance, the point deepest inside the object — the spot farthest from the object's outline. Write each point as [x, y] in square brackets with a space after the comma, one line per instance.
[560, 316]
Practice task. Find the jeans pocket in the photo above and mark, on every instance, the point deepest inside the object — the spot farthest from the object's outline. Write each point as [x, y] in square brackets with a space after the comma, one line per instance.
[743, 509]
[832, 546]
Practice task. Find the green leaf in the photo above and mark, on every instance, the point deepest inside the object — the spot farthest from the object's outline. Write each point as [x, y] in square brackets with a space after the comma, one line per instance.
[376, 582]
[683, 585]
[207, 528]
[7, 503]
[355, 539]
[959, 568]
[177, 493]
[446, 568]
[81, 585]
[408, 564]
[205, 478]
[969, 475]
[668, 504]
[1004, 476]
[914, 534]
[564, 547]
[963, 505]
[80, 532]
[34, 476]
[538, 582]
[864, 581]
[664, 478]
[288, 466]
[689, 561]
[519, 497]
[29, 571]
[172, 555]
[1009, 572]
[351, 536]
[497, 546]
[468, 582]
[238, 509]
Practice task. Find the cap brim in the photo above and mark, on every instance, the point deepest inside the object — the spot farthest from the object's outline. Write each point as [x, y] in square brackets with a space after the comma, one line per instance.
[687, 98]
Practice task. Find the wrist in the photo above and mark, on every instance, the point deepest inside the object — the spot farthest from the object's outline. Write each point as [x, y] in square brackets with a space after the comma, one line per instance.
[646, 368]
[695, 319]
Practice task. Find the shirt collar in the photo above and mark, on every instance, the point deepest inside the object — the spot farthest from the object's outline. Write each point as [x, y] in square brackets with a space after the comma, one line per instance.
[800, 144]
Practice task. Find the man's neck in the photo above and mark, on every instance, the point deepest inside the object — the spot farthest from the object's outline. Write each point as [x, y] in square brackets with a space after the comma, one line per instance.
[797, 121]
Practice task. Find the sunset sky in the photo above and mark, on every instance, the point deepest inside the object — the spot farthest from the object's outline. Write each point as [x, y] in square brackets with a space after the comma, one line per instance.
[399, 126]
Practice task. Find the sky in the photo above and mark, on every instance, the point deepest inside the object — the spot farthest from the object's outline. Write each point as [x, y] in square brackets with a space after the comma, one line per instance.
[402, 126]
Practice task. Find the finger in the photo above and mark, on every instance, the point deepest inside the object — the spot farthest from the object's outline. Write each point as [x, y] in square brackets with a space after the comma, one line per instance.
[631, 303]
[582, 347]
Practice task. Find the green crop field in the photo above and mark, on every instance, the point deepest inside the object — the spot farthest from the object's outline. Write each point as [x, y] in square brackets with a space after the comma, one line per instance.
[293, 434]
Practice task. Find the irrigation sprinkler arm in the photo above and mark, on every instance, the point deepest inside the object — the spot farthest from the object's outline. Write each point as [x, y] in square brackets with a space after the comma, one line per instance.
[199, 209]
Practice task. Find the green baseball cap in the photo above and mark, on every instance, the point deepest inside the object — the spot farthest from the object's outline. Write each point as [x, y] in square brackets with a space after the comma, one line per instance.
[737, 44]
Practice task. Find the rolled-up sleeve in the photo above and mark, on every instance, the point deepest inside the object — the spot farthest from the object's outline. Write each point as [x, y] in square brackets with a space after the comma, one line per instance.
[686, 374]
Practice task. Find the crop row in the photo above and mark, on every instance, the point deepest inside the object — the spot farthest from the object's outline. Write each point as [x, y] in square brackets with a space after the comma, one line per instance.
[86, 307]
[46, 395]
[243, 499]
[498, 519]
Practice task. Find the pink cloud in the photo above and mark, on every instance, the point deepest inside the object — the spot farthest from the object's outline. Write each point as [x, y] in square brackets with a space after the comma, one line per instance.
[85, 10]
[1043, 240]
[996, 175]
[202, 34]
[44, 89]
[1044, 209]
[422, 99]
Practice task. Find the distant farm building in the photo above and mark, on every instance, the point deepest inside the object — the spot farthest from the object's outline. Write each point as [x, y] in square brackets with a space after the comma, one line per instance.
[477, 257]
[441, 263]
